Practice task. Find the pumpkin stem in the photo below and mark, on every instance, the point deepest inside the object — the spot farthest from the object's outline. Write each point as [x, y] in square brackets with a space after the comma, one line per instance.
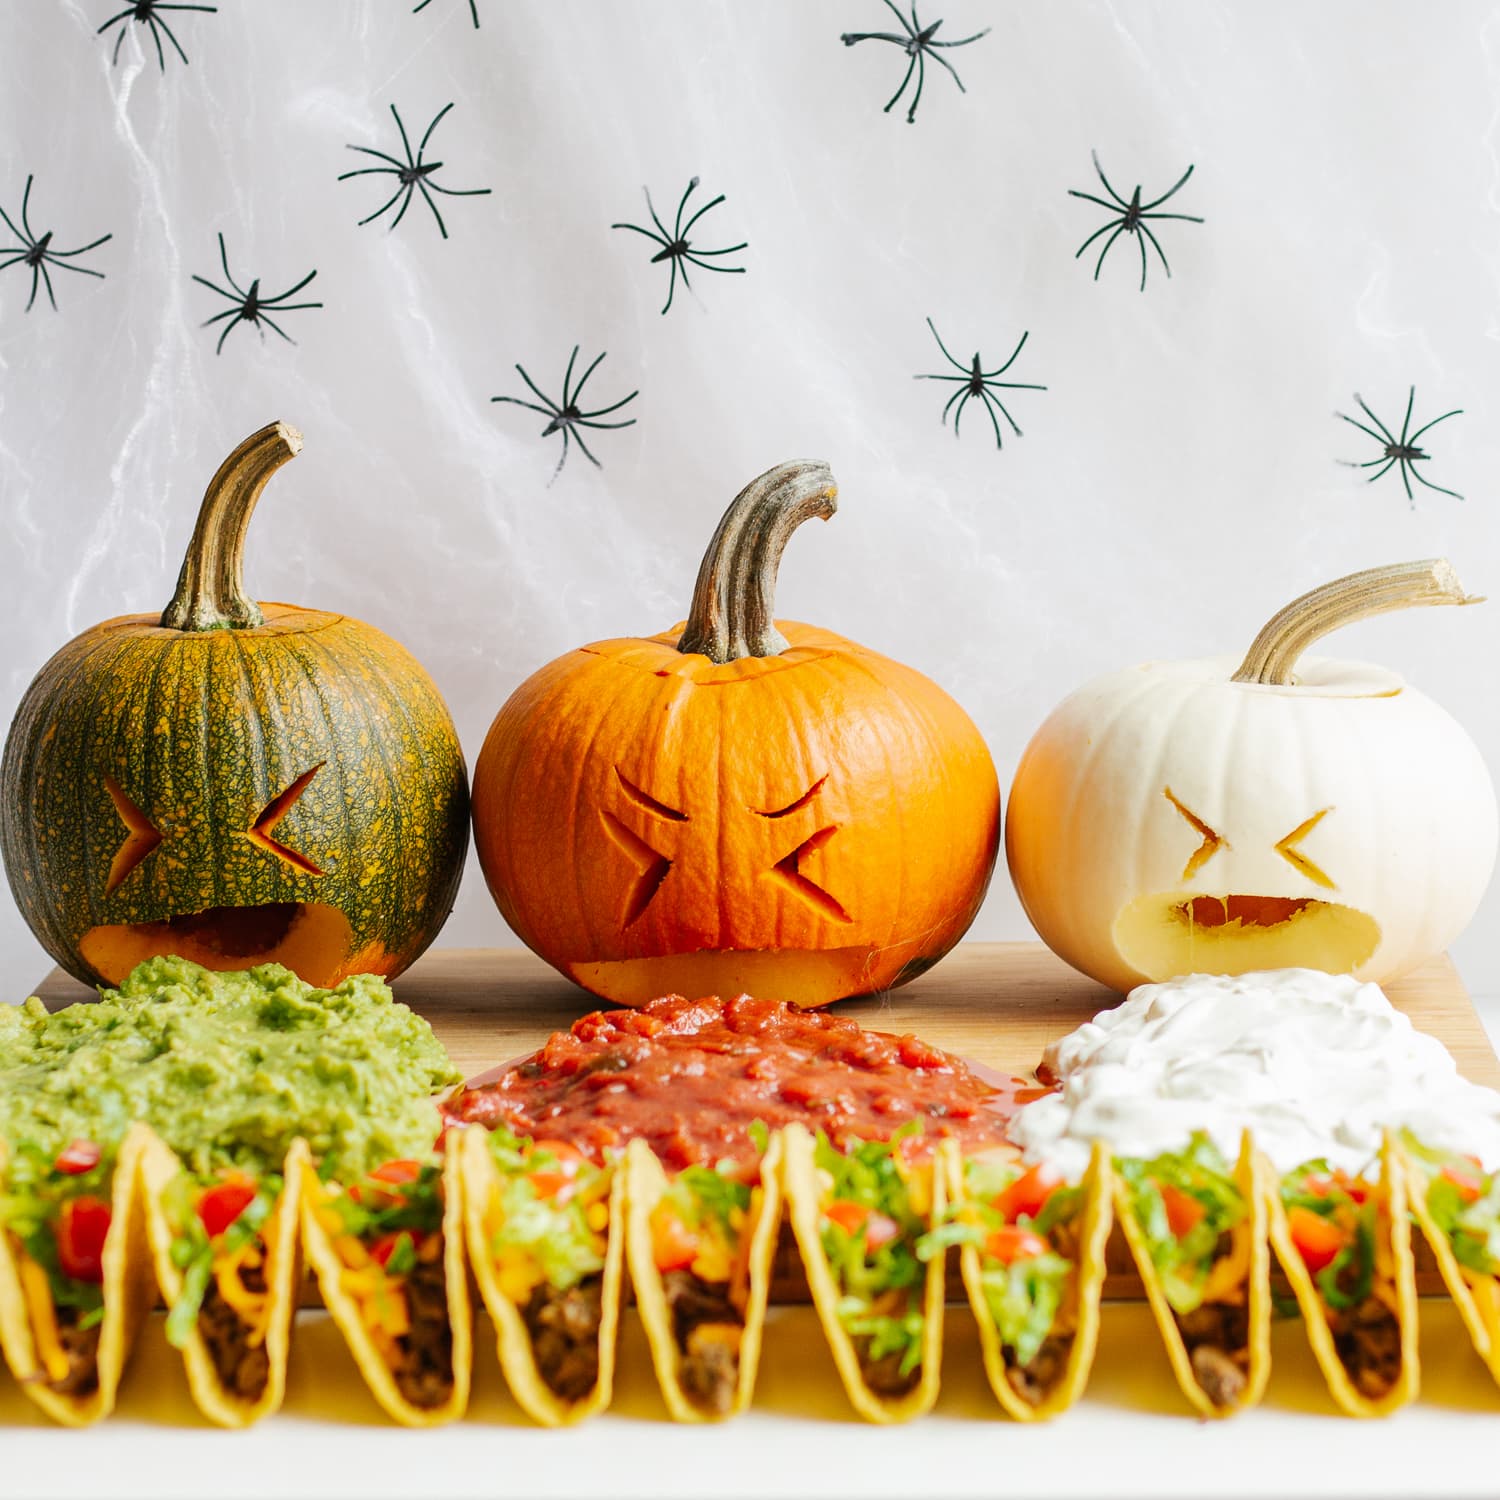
[1272, 658]
[211, 588]
[734, 600]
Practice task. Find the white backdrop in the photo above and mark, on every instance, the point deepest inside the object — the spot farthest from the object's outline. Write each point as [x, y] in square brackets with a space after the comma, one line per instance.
[1177, 480]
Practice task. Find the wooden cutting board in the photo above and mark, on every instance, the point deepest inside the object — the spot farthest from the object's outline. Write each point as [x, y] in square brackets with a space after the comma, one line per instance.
[993, 1003]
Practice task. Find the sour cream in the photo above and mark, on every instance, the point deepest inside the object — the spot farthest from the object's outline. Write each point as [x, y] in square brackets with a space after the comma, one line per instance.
[1314, 1064]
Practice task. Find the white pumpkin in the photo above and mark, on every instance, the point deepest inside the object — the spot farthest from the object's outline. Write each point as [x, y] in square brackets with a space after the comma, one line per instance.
[1184, 817]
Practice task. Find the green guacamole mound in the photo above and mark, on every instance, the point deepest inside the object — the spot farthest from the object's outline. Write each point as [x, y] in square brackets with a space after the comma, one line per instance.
[227, 1068]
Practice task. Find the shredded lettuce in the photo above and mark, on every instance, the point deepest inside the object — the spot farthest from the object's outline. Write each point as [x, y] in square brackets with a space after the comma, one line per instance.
[1472, 1228]
[1346, 1280]
[555, 1236]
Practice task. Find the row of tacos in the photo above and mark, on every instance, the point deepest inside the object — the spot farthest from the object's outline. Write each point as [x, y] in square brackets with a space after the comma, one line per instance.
[92, 1237]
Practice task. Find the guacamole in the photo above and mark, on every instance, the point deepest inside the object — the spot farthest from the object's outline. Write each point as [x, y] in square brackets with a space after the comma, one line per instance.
[227, 1068]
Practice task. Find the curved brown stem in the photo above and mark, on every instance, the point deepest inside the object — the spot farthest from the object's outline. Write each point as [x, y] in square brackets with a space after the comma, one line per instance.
[1273, 656]
[210, 589]
[734, 600]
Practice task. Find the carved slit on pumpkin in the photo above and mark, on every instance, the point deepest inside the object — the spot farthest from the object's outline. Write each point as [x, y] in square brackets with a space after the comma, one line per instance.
[272, 813]
[652, 868]
[141, 837]
[645, 801]
[1297, 859]
[787, 872]
[800, 803]
[1212, 842]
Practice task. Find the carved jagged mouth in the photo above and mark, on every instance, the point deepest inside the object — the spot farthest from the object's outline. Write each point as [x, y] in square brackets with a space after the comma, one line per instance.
[1171, 933]
[309, 937]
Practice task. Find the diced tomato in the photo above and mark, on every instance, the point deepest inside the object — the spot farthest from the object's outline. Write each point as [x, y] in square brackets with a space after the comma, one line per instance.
[81, 1231]
[557, 1181]
[220, 1205]
[1184, 1212]
[398, 1172]
[383, 1248]
[1469, 1184]
[849, 1216]
[879, 1230]
[1320, 1185]
[1028, 1194]
[673, 1244]
[77, 1158]
[1318, 1240]
[1011, 1243]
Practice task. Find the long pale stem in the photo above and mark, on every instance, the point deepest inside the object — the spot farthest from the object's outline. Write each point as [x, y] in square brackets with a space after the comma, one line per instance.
[1273, 657]
[734, 600]
[211, 588]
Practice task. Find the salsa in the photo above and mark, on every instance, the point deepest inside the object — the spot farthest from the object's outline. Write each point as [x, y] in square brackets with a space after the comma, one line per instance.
[690, 1077]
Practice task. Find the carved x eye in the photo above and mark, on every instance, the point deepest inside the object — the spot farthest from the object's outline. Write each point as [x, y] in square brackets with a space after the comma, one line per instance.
[651, 864]
[1296, 858]
[788, 872]
[272, 813]
[141, 837]
[1212, 842]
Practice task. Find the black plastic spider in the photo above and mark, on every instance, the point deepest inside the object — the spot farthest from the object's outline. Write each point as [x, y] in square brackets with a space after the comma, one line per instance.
[1401, 451]
[675, 246]
[473, 10]
[414, 175]
[566, 417]
[148, 13]
[251, 307]
[976, 381]
[1132, 219]
[917, 42]
[36, 252]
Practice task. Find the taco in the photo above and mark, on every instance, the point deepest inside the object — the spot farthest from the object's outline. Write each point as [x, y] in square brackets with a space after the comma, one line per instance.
[859, 1213]
[546, 1230]
[1197, 1232]
[1031, 1250]
[388, 1250]
[1345, 1245]
[227, 1252]
[1457, 1204]
[701, 1243]
[75, 1275]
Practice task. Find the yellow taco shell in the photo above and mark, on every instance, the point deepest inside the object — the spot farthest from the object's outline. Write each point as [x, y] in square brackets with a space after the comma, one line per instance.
[802, 1190]
[128, 1294]
[1084, 1295]
[1393, 1247]
[329, 1269]
[159, 1168]
[646, 1182]
[1250, 1177]
[517, 1357]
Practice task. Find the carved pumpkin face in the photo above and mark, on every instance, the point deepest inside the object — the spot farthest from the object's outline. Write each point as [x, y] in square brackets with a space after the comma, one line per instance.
[808, 823]
[290, 791]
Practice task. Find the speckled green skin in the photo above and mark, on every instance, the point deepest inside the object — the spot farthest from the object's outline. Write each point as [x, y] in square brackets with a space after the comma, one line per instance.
[201, 729]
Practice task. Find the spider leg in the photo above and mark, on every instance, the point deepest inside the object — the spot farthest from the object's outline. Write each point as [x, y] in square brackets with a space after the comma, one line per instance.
[224, 261]
[956, 396]
[428, 136]
[417, 9]
[682, 233]
[941, 345]
[411, 161]
[1105, 251]
[1376, 420]
[583, 379]
[1141, 242]
[849, 38]
[529, 405]
[1185, 218]
[1350, 420]
[1102, 202]
[203, 281]
[474, 11]
[395, 166]
[963, 402]
[989, 396]
[1169, 191]
[161, 61]
[1145, 234]
[212, 9]
[703, 265]
[405, 204]
[994, 421]
[568, 394]
[916, 99]
[228, 328]
[655, 238]
[608, 426]
[25, 239]
[891, 6]
[1430, 485]
[964, 42]
[555, 411]
[93, 244]
[578, 438]
[1095, 235]
[1354, 463]
[694, 255]
[937, 58]
[1107, 188]
[561, 459]
[62, 265]
[115, 20]
[431, 203]
[1458, 412]
[276, 328]
[666, 239]
[894, 97]
[677, 230]
[671, 286]
[15, 259]
[1406, 480]
[1370, 478]
[170, 37]
[290, 292]
[229, 312]
[119, 42]
[1411, 400]
[429, 184]
[962, 379]
[35, 279]
[989, 375]
[29, 237]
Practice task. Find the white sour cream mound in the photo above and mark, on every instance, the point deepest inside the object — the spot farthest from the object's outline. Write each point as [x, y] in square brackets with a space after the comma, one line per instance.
[1314, 1064]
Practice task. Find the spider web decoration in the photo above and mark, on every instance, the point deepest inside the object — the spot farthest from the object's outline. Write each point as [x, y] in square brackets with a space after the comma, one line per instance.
[917, 42]
[675, 247]
[1130, 218]
[565, 416]
[149, 14]
[38, 253]
[975, 382]
[473, 10]
[250, 306]
[412, 175]
[1401, 452]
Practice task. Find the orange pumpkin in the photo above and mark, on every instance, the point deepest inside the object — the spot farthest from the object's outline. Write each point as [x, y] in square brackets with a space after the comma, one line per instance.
[730, 806]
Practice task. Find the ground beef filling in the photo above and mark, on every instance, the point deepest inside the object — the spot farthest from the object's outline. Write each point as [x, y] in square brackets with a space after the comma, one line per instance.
[564, 1328]
[424, 1367]
[81, 1346]
[1033, 1382]
[708, 1328]
[883, 1375]
[243, 1368]
[1368, 1340]
[1217, 1338]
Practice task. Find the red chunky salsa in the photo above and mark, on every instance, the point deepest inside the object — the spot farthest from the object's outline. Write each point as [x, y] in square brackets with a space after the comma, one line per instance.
[690, 1076]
